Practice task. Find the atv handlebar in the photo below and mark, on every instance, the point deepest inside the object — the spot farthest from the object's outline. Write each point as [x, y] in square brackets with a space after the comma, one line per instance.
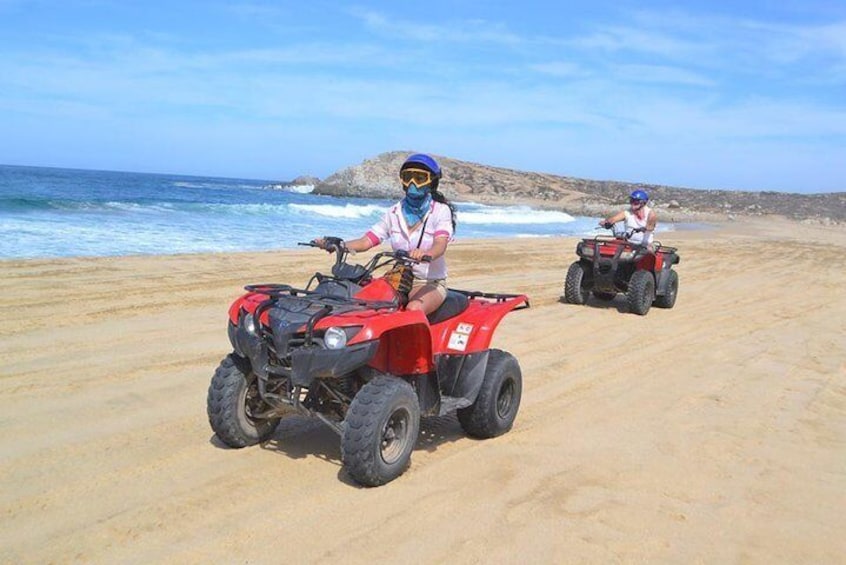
[620, 233]
[330, 243]
[336, 245]
[403, 255]
[333, 244]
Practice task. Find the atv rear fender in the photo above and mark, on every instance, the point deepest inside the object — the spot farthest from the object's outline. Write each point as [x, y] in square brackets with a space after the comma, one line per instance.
[665, 258]
[472, 330]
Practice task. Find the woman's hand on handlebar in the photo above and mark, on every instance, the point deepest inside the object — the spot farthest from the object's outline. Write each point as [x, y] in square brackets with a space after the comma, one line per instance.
[329, 244]
[419, 255]
[319, 242]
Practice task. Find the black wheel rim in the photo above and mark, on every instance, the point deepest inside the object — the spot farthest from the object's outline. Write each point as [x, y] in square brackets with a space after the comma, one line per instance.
[584, 286]
[251, 401]
[395, 436]
[505, 398]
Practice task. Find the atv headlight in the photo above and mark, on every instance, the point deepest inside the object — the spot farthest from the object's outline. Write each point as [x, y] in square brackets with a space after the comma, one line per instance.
[584, 250]
[249, 322]
[335, 338]
[627, 255]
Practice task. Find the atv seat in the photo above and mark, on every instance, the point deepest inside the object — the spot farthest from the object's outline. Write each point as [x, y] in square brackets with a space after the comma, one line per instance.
[454, 304]
[345, 271]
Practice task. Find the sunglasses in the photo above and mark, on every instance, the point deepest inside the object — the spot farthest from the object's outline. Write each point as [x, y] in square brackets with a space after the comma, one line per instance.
[419, 177]
[636, 201]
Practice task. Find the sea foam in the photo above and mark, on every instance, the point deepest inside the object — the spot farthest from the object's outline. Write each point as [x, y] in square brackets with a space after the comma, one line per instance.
[512, 215]
[351, 211]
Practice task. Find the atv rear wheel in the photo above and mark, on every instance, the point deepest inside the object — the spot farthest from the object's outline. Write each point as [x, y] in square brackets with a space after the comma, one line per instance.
[575, 285]
[641, 292]
[496, 405]
[233, 398]
[382, 425]
[668, 300]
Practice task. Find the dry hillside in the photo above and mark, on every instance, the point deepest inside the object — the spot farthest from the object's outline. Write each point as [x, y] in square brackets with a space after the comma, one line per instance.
[463, 180]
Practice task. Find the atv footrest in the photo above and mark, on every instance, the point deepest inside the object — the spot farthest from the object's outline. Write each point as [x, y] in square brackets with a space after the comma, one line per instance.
[450, 404]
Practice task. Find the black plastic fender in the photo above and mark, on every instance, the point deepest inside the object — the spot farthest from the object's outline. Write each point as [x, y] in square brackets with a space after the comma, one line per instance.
[461, 376]
[662, 280]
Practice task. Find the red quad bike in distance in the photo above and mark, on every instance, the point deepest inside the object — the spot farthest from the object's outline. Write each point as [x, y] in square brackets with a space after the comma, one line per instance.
[346, 351]
[608, 265]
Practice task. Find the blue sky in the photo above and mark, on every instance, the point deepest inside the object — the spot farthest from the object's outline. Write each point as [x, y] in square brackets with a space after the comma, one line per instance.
[745, 95]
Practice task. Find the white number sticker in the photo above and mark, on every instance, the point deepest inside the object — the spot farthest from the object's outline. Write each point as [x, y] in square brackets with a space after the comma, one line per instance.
[460, 337]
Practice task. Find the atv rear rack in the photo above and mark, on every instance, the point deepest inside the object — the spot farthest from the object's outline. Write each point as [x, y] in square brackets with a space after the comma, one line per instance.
[495, 296]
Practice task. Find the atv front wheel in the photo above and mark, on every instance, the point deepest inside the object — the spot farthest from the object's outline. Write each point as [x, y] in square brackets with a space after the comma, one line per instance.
[575, 285]
[233, 399]
[496, 405]
[641, 292]
[668, 300]
[382, 425]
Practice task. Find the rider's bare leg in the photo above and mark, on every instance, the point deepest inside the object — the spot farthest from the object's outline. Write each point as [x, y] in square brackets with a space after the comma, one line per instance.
[426, 298]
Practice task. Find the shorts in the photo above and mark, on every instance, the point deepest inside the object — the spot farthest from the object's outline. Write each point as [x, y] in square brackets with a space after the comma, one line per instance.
[436, 285]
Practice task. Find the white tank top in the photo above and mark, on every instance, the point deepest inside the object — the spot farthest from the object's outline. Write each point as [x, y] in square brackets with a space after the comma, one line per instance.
[633, 222]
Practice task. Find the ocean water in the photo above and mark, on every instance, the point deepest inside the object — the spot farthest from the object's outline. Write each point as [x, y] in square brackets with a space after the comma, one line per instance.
[47, 212]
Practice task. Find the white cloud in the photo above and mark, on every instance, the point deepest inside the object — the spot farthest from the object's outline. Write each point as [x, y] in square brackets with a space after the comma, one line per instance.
[254, 10]
[754, 47]
[465, 31]
[660, 74]
[622, 38]
[558, 69]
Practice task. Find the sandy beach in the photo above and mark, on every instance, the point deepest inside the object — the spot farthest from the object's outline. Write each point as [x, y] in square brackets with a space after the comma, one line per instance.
[713, 432]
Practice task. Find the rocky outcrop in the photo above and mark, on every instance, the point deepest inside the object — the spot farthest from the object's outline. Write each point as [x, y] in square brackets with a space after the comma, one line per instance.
[305, 180]
[377, 178]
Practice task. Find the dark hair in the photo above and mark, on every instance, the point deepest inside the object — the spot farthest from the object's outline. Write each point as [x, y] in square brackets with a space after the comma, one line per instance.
[439, 197]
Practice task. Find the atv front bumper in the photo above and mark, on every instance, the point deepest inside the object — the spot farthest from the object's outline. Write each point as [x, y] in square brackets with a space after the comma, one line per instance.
[308, 364]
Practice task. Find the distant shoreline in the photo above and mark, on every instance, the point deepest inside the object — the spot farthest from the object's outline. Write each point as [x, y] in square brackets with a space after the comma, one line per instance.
[679, 228]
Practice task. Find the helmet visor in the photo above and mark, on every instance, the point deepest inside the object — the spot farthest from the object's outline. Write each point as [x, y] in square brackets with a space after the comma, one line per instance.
[420, 177]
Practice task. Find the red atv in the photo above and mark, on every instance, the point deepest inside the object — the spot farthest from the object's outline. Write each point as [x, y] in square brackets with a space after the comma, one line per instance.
[608, 265]
[346, 351]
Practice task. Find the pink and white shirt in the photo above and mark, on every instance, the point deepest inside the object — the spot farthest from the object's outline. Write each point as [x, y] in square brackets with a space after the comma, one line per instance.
[437, 223]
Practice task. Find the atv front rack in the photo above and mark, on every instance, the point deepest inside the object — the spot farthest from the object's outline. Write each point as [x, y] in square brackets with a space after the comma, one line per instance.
[329, 303]
[278, 290]
[656, 245]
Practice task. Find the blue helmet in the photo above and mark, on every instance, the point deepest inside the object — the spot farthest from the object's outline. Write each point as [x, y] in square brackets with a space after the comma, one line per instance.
[424, 161]
[639, 195]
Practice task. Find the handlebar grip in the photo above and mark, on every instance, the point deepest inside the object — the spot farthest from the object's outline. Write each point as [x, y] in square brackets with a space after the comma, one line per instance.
[426, 258]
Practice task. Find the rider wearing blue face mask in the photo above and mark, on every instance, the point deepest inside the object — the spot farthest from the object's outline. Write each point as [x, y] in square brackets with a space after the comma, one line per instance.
[422, 223]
